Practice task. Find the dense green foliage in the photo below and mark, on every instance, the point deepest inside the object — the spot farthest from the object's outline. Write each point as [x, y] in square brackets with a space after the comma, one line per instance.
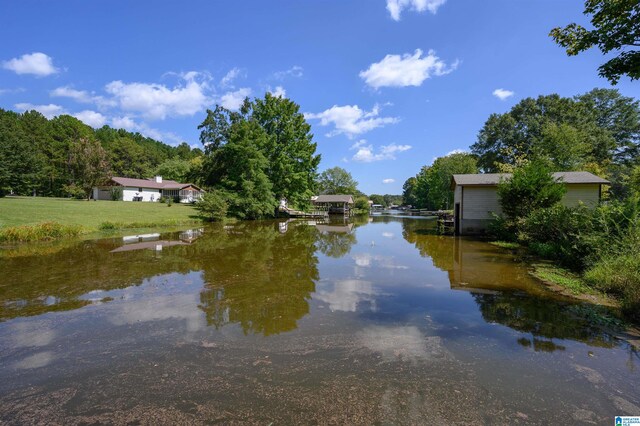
[530, 188]
[260, 154]
[88, 165]
[616, 27]
[598, 132]
[239, 170]
[603, 243]
[431, 187]
[212, 206]
[39, 156]
[409, 197]
[386, 200]
[336, 180]
[361, 204]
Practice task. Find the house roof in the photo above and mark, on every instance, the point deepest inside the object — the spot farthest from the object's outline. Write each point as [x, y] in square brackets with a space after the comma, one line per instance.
[151, 183]
[334, 199]
[495, 178]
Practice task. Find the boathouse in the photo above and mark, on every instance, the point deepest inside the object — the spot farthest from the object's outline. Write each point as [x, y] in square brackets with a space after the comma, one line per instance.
[476, 196]
[334, 204]
[130, 189]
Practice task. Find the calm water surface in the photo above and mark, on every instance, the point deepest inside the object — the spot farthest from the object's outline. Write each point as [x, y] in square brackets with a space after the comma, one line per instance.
[374, 322]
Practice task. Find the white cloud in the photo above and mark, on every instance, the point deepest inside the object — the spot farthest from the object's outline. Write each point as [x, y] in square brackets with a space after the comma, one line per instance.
[69, 92]
[295, 71]
[126, 123]
[227, 80]
[91, 118]
[129, 124]
[351, 120]
[404, 342]
[395, 7]
[233, 100]
[157, 101]
[388, 180]
[49, 111]
[36, 63]
[367, 154]
[358, 144]
[82, 96]
[502, 94]
[405, 70]
[278, 92]
[16, 90]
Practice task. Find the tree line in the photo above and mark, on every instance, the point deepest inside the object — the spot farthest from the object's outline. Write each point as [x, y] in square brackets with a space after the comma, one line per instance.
[598, 131]
[63, 157]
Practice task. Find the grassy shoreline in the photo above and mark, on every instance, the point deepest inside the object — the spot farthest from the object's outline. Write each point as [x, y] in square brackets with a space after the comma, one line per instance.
[27, 219]
[560, 280]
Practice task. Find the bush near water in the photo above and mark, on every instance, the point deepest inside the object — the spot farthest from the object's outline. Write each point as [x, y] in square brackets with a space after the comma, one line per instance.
[601, 244]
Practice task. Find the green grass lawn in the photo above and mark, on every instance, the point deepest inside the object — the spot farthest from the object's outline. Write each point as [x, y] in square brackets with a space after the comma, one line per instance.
[18, 211]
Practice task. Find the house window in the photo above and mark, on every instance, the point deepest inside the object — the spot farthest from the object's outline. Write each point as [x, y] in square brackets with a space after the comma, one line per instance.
[139, 189]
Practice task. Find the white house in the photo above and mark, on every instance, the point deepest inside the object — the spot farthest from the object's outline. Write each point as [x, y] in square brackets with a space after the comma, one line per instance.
[147, 190]
[476, 196]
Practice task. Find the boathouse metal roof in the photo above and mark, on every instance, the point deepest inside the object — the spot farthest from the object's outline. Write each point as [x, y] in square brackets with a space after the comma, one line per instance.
[334, 199]
[151, 183]
[491, 179]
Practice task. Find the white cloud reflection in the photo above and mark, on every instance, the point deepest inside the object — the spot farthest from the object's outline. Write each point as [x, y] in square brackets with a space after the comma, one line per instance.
[348, 295]
[405, 342]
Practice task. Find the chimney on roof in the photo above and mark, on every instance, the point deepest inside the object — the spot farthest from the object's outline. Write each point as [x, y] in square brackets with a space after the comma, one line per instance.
[158, 179]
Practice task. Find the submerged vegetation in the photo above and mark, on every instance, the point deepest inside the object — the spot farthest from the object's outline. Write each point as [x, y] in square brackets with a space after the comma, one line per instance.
[564, 278]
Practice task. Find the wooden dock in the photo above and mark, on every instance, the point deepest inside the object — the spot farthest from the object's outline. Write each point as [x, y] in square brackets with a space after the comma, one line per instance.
[314, 214]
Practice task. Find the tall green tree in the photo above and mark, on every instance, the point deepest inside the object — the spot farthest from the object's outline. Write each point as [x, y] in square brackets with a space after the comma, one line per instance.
[88, 163]
[290, 150]
[440, 195]
[128, 158]
[409, 192]
[19, 162]
[616, 28]
[288, 147]
[598, 127]
[238, 169]
[174, 169]
[337, 180]
[619, 116]
[432, 189]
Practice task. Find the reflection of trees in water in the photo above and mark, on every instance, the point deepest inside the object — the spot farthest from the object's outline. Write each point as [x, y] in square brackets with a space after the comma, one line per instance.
[257, 277]
[422, 234]
[516, 300]
[540, 345]
[53, 279]
[336, 244]
[543, 318]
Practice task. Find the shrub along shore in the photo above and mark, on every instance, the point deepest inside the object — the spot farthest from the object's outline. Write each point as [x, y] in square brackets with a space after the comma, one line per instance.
[599, 247]
[24, 219]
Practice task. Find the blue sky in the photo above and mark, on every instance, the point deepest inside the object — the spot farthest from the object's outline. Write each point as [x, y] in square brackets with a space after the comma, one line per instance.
[386, 84]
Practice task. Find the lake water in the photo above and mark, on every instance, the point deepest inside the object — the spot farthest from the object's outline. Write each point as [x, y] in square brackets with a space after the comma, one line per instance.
[374, 322]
